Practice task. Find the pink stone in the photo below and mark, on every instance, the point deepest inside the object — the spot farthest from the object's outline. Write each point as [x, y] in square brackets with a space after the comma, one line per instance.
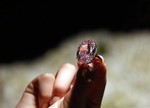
[86, 51]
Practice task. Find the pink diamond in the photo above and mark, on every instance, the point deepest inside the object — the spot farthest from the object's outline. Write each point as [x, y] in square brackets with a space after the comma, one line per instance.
[86, 51]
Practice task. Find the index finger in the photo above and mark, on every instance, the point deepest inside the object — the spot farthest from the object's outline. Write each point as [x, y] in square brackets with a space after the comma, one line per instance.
[96, 91]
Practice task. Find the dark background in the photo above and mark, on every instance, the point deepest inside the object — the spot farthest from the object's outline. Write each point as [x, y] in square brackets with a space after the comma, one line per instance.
[29, 28]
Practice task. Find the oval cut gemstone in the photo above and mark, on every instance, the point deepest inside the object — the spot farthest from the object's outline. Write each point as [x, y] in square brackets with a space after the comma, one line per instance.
[86, 51]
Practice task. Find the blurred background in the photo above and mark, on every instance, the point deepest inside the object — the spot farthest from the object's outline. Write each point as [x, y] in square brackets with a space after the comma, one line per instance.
[38, 37]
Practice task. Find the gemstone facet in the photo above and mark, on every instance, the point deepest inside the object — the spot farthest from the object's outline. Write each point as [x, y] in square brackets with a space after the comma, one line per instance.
[86, 51]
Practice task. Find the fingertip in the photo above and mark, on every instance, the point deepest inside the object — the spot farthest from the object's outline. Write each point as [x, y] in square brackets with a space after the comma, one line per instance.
[69, 65]
[79, 63]
[45, 88]
[46, 76]
[101, 57]
[64, 79]
[99, 63]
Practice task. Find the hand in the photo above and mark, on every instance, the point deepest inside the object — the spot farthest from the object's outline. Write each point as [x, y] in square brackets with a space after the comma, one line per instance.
[70, 88]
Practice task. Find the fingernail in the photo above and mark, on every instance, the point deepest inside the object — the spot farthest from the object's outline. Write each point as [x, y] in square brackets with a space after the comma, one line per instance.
[101, 57]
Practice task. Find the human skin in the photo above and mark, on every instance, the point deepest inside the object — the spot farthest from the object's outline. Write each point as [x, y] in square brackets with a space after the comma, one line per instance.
[69, 88]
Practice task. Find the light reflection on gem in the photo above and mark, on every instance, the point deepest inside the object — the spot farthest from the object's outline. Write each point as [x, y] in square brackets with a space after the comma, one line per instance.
[86, 51]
